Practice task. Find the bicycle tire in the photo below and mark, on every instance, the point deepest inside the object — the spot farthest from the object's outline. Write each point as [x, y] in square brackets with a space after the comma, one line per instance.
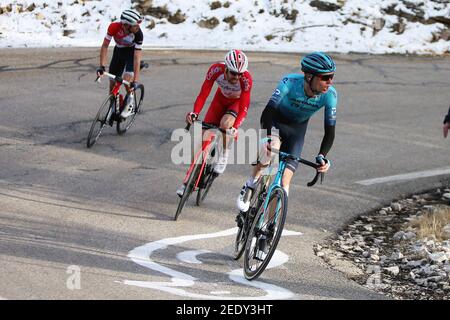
[203, 192]
[189, 188]
[101, 118]
[124, 124]
[251, 244]
[241, 235]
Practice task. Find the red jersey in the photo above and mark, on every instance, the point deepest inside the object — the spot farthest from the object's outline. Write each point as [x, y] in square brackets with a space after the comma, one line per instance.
[229, 92]
[123, 40]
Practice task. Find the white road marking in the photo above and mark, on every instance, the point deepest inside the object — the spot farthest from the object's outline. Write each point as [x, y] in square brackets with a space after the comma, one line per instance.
[191, 256]
[141, 255]
[220, 292]
[407, 176]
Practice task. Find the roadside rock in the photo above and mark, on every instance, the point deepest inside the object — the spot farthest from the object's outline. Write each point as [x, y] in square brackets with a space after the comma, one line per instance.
[393, 270]
[390, 254]
[210, 23]
[327, 5]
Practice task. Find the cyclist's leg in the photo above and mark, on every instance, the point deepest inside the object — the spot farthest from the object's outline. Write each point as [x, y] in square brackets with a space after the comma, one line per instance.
[116, 65]
[217, 117]
[263, 161]
[128, 74]
[226, 122]
[293, 137]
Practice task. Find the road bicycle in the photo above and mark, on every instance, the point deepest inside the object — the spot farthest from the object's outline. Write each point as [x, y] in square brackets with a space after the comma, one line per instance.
[260, 228]
[200, 175]
[112, 107]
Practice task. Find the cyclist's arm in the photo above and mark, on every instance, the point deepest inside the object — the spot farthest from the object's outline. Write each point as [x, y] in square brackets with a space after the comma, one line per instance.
[244, 101]
[138, 41]
[271, 107]
[205, 90]
[137, 64]
[327, 141]
[104, 52]
[267, 117]
[330, 122]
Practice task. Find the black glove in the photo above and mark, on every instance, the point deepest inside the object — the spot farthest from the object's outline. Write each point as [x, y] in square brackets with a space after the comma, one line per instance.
[100, 70]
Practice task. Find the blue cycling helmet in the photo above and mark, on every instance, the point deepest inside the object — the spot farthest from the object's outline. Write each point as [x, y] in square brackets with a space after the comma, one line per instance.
[317, 63]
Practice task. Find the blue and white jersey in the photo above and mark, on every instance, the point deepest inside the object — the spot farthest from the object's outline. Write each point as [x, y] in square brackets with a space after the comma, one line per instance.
[293, 104]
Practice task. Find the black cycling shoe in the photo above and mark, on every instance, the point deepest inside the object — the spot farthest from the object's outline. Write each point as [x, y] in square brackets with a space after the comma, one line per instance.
[265, 241]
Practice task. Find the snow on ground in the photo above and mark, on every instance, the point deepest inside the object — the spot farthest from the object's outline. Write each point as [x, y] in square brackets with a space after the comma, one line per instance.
[269, 25]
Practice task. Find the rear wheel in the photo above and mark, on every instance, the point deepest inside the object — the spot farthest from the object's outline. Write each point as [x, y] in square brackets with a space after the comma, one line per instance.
[189, 188]
[266, 229]
[124, 124]
[103, 117]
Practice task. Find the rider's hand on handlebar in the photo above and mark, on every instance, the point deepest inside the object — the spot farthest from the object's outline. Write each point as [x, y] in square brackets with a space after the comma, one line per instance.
[100, 71]
[323, 162]
[190, 117]
[272, 142]
[232, 132]
[133, 85]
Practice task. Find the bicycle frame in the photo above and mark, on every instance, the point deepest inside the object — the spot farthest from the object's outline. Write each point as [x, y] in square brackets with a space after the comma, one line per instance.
[274, 184]
[278, 178]
[203, 152]
[115, 91]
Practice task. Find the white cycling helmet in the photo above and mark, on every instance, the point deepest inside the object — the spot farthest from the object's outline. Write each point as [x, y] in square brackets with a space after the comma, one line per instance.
[131, 17]
[236, 61]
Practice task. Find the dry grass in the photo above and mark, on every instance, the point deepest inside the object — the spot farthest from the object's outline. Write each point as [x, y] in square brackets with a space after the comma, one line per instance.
[432, 224]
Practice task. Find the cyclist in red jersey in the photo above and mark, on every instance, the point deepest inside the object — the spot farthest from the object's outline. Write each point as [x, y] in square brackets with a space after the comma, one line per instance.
[231, 101]
[127, 52]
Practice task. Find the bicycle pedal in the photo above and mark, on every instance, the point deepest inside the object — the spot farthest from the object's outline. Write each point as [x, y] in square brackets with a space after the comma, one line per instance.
[260, 255]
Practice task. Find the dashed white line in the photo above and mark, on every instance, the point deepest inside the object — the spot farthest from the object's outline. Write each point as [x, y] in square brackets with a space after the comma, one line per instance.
[407, 176]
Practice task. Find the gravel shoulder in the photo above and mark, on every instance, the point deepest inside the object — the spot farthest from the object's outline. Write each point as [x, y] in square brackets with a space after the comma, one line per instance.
[386, 251]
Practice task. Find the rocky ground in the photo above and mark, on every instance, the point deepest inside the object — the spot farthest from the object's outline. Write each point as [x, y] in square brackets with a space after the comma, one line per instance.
[387, 251]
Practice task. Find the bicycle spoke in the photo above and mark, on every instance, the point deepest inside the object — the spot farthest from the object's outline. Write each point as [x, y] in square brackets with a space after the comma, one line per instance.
[125, 124]
[265, 234]
[100, 120]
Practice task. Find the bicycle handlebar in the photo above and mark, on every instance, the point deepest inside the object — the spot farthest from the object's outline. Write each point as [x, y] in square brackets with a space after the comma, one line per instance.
[116, 78]
[205, 126]
[305, 162]
[142, 65]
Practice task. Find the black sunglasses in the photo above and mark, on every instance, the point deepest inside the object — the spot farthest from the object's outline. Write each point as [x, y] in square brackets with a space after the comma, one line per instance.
[326, 77]
[235, 73]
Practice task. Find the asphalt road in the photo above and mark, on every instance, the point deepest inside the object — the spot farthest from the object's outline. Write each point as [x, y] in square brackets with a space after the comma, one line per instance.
[105, 214]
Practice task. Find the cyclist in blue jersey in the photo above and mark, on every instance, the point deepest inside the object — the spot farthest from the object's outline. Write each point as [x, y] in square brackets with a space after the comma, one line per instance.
[293, 102]
[446, 124]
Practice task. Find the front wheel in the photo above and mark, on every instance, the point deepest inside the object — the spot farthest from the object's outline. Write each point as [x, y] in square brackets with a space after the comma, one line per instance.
[190, 184]
[104, 115]
[246, 218]
[265, 233]
[124, 124]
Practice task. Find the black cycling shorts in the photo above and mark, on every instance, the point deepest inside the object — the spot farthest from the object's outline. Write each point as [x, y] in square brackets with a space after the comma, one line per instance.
[122, 60]
[292, 136]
